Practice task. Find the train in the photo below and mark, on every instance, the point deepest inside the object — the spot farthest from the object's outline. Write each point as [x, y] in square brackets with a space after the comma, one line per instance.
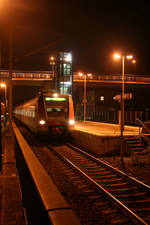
[49, 113]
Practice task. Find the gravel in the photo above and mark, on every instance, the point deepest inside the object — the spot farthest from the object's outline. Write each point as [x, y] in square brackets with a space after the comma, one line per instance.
[137, 167]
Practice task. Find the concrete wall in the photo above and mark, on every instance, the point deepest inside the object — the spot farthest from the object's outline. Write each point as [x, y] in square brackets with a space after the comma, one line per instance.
[98, 144]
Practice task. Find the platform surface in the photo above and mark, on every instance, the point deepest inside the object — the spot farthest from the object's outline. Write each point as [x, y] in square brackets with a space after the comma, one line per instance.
[105, 129]
[11, 210]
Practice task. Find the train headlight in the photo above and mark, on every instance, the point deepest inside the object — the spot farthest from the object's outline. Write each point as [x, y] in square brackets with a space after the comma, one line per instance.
[71, 122]
[55, 95]
[42, 122]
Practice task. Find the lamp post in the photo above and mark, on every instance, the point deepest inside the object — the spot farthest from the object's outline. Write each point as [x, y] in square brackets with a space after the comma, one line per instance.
[3, 85]
[0, 138]
[117, 56]
[122, 99]
[52, 62]
[10, 74]
[84, 99]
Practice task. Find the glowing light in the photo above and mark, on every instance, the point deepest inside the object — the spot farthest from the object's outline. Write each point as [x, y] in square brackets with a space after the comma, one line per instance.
[129, 56]
[52, 58]
[68, 57]
[55, 95]
[102, 98]
[80, 74]
[66, 83]
[117, 56]
[42, 122]
[2, 85]
[71, 122]
[55, 99]
[134, 61]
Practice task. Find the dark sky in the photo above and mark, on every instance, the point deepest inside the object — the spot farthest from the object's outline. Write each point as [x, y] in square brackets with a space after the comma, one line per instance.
[92, 30]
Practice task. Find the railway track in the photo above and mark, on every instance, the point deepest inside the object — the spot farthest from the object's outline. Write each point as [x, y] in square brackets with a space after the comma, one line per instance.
[120, 198]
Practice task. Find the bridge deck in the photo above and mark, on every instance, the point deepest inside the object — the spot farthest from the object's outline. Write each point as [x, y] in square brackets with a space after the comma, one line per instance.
[48, 75]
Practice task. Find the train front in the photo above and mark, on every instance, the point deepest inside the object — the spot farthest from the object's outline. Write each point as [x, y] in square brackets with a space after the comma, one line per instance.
[59, 113]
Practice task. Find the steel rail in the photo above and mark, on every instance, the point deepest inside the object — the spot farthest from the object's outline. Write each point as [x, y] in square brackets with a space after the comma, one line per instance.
[121, 173]
[131, 215]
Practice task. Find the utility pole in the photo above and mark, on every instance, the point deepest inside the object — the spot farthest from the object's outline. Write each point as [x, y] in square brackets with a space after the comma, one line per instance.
[0, 137]
[122, 109]
[57, 77]
[85, 100]
[10, 73]
[0, 56]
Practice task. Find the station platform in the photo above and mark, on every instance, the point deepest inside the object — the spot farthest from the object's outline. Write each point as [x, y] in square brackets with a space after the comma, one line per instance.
[105, 129]
[101, 138]
[11, 208]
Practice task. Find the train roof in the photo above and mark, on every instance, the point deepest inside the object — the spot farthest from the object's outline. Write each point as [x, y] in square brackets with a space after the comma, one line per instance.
[52, 93]
[27, 103]
[45, 93]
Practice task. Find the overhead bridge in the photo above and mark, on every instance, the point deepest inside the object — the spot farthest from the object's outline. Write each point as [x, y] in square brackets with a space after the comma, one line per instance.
[48, 75]
[27, 75]
[114, 79]
[101, 90]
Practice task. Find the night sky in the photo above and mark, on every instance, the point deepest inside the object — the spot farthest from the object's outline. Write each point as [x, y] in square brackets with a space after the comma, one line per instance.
[92, 30]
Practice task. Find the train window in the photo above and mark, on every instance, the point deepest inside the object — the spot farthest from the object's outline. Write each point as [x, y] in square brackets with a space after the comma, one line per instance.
[54, 109]
[33, 114]
[56, 106]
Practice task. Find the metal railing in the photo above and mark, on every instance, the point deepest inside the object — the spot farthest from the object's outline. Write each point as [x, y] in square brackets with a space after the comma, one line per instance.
[27, 74]
[145, 136]
[109, 116]
[114, 77]
[98, 77]
[143, 127]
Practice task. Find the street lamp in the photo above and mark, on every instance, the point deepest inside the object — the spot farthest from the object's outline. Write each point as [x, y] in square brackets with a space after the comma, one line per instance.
[3, 85]
[52, 62]
[118, 56]
[84, 99]
[133, 61]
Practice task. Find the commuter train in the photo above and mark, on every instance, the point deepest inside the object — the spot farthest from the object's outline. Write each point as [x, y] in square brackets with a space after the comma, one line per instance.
[48, 113]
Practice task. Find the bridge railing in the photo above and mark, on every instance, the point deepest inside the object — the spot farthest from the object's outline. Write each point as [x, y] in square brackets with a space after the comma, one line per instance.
[27, 75]
[49, 75]
[114, 77]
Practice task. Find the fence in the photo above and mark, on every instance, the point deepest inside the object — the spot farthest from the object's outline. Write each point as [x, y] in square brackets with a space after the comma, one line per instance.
[130, 117]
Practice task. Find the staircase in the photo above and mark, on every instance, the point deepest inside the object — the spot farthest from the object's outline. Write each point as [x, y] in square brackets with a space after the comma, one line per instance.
[138, 147]
[135, 146]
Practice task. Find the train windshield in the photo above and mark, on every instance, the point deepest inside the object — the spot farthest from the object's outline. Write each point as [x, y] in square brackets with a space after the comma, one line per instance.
[56, 106]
